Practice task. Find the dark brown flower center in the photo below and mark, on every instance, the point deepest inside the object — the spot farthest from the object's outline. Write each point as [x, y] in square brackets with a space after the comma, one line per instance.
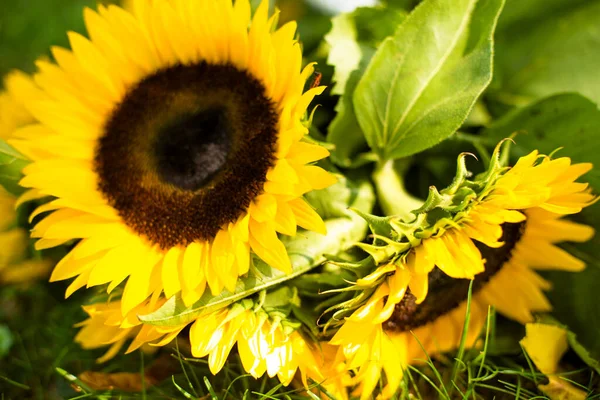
[446, 293]
[186, 152]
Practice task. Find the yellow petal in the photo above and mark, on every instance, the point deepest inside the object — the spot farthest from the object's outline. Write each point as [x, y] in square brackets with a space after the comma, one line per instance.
[268, 247]
[307, 217]
[545, 345]
[170, 272]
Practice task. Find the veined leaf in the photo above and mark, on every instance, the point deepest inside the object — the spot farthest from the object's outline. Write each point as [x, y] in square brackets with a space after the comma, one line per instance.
[306, 251]
[353, 40]
[422, 83]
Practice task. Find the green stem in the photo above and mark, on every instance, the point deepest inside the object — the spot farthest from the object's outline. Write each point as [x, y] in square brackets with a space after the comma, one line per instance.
[391, 193]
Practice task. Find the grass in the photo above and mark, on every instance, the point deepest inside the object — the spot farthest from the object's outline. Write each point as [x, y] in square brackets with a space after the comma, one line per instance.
[44, 363]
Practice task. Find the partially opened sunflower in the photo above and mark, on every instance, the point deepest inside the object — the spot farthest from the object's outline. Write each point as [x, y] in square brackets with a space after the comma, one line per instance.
[173, 142]
[495, 232]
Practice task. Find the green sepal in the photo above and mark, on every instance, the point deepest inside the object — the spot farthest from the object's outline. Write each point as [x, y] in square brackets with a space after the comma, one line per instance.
[377, 225]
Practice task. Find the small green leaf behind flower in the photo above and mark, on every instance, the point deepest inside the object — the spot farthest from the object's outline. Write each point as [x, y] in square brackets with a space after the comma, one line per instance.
[11, 164]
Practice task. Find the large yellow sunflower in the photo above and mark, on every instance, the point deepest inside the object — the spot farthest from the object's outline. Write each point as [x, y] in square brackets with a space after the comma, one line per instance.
[14, 267]
[417, 308]
[173, 141]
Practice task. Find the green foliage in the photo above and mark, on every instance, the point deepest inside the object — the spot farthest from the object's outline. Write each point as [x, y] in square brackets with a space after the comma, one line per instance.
[422, 83]
[29, 28]
[569, 121]
[353, 40]
[11, 164]
[6, 340]
[547, 47]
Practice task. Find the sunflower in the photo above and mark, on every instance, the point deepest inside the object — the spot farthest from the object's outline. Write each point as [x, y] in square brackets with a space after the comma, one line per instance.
[267, 342]
[417, 309]
[14, 268]
[174, 142]
[450, 230]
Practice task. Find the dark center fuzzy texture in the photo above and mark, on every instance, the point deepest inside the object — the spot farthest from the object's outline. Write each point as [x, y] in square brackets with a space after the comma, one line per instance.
[186, 152]
[446, 293]
[192, 149]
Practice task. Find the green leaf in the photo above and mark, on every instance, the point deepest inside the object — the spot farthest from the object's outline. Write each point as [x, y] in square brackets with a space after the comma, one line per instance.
[345, 53]
[422, 83]
[11, 164]
[307, 250]
[353, 40]
[545, 47]
[6, 340]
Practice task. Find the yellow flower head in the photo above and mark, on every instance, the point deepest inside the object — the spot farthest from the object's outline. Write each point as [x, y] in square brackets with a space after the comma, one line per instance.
[509, 231]
[13, 240]
[173, 141]
[265, 344]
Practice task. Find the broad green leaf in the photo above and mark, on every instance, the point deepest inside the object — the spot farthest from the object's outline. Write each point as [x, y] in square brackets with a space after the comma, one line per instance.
[11, 164]
[306, 251]
[353, 40]
[422, 83]
[544, 47]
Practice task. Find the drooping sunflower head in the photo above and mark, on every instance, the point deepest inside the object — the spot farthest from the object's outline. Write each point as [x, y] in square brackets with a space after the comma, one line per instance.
[485, 238]
[174, 142]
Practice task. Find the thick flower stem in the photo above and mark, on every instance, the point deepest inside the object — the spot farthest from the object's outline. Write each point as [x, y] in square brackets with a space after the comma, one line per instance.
[391, 193]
